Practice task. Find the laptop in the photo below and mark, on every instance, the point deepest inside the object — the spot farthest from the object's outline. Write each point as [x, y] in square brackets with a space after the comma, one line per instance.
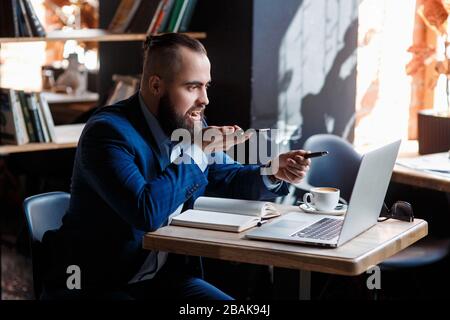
[363, 210]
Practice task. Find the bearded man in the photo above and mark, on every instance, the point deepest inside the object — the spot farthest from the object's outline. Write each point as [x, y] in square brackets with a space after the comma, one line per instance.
[130, 178]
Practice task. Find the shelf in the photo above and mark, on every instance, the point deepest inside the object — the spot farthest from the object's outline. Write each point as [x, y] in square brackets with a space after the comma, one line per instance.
[52, 97]
[67, 136]
[91, 35]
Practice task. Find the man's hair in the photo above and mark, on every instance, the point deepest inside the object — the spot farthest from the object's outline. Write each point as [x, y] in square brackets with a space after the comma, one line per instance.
[161, 54]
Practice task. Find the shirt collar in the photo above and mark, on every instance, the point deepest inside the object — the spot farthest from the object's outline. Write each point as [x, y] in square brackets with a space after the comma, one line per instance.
[162, 140]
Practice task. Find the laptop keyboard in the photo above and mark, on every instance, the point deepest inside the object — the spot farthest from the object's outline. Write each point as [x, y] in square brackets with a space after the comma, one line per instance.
[324, 229]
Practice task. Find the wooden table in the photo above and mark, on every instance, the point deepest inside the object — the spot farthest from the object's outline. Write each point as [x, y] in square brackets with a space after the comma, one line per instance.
[353, 258]
[420, 179]
[416, 178]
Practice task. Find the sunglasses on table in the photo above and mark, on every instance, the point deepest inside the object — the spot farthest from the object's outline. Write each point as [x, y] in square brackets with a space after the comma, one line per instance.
[400, 210]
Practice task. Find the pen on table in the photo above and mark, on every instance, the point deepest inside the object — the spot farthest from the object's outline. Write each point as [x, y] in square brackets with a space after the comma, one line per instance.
[260, 223]
[315, 154]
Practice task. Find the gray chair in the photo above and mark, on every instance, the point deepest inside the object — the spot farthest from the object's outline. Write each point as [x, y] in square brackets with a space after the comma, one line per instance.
[339, 169]
[425, 252]
[43, 212]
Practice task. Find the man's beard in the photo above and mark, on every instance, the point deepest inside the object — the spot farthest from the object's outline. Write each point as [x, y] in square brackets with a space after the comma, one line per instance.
[170, 120]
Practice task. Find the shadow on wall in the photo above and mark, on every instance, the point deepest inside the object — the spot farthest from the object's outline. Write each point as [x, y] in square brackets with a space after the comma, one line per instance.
[328, 111]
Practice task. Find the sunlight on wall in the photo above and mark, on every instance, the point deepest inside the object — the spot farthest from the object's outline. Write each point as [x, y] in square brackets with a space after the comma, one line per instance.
[440, 99]
[383, 88]
[316, 62]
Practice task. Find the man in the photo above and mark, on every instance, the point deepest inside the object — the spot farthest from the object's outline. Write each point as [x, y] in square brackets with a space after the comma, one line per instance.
[130, 178]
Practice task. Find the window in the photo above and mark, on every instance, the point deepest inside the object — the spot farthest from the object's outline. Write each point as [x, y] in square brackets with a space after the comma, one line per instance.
[383, 88]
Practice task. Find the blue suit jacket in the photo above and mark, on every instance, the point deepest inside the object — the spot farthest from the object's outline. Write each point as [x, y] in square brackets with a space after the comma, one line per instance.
[123, 187]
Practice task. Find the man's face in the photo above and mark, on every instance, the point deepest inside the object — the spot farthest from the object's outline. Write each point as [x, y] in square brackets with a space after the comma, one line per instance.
[185, 97]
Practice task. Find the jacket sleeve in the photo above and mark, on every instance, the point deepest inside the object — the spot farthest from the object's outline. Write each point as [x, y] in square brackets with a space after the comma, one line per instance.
[228, 178]
[109, 165]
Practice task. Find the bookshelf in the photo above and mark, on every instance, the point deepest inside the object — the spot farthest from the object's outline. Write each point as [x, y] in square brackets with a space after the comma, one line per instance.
[122, 43]
[53, 97]
[98, 35]
[68, 136]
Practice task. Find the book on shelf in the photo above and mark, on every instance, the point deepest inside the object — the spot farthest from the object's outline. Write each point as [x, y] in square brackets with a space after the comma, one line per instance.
[36, 26]
[123, 15]
[164, 18]
[233, 215]
[41, 118]
[161, 18]
[25, 117]
[187, 16]
[12, 124]
[34, 116]
[143, 17]
[152, 16]
[47, 117]
[19, 19]
[18, 113]
[176, 11]
[24, 24]
[152, 27]
[179, 18]
[176, 16]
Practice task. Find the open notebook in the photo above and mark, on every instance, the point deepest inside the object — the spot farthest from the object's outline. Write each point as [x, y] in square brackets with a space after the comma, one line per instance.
[232, 215]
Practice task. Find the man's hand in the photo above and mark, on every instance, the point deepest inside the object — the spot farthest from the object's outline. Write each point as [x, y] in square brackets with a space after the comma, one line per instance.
[222, 138]
[290, 166]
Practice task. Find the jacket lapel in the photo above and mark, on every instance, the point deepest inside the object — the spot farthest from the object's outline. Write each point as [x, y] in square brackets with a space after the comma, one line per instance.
[138, 120]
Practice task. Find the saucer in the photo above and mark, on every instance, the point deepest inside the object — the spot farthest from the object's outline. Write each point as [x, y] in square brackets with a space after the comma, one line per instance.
[338, 211]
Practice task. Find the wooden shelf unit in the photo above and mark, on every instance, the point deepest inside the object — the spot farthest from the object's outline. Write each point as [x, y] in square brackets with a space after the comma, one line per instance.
[35, 146]
[99, 35]
[67, 137]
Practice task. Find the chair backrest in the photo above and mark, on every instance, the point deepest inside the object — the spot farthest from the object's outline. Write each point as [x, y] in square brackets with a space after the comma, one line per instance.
[43, 212]
[338, 169]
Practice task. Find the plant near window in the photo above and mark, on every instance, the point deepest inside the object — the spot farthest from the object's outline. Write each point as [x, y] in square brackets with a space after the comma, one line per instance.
[434, 14]
[433, 127]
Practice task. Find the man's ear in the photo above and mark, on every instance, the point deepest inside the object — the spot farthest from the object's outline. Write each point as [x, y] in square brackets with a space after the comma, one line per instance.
[156, 85]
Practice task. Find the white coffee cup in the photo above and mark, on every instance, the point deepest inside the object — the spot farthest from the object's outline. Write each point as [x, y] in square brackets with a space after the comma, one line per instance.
[323, 198]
